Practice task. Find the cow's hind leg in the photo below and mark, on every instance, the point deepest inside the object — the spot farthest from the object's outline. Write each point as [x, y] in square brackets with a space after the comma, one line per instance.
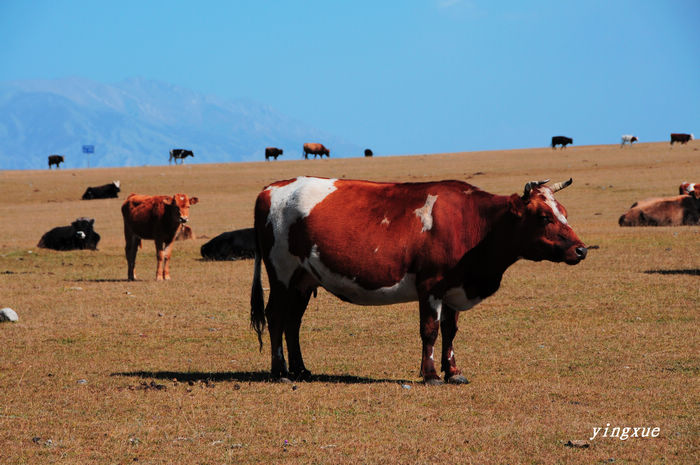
[448, 326]
[275, 315]
[296, 305]
[429, 327]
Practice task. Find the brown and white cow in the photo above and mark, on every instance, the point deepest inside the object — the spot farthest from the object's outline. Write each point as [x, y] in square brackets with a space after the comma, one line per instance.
[154, 217]
[679, 210]
[315, 150]
[445, 244]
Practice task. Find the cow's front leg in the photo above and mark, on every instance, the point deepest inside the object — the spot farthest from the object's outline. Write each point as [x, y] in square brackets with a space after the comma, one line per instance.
[448, 326]
[167, 251]
[159, 257]
[430, 309]
[132, 246]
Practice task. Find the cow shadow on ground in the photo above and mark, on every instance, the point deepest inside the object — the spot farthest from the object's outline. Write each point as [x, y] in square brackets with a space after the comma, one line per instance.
[101, 280]
[689, 271]
[250, 376]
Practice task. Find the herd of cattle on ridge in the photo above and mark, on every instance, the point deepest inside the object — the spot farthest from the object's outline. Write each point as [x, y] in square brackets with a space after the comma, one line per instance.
[319, 150]
[306, 233]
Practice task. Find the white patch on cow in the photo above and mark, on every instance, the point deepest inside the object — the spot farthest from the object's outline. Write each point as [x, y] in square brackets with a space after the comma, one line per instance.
[432, 353]
[376, 250]
[425, 213]
[385, 221]
[288, 204]
[452, 355]
[80, 234]
[402, 291]
[549, 200]
[457, 299]
[435, 304]
[116, 183]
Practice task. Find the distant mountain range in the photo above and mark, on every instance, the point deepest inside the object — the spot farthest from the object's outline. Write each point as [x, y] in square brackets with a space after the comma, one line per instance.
[136, 122]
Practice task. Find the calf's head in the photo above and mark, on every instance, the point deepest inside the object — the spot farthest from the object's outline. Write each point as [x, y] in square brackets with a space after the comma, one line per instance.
[543, 230]
[177, 207]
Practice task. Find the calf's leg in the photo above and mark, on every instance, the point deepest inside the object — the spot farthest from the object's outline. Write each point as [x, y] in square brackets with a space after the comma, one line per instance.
[160, 255]
[166, 260]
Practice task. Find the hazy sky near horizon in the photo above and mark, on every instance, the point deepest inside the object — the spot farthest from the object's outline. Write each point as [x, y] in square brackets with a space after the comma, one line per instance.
[404, 77]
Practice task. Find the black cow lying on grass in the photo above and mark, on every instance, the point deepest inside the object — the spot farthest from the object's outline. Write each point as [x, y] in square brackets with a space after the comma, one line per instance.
[232, 245]
[107, 191]
[79, 235]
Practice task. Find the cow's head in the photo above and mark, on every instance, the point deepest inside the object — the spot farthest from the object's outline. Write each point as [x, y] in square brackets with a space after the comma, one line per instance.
[544, 231]
[84, 235]
[178, 207]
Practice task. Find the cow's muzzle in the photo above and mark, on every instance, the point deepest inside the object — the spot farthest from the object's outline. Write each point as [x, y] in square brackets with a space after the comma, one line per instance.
[576, 254]
[183, 220]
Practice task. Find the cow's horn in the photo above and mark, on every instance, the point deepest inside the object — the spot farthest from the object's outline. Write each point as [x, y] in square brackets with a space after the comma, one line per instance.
[531, 185]
[560, 185]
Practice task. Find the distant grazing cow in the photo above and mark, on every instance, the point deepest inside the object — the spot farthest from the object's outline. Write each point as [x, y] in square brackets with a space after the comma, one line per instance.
[682, 138]
[664, 211]
[315, 150]
[232, 245]
[272, 152]
[180, 154]
[445, 244]
[79, 235]
[56, 160]
[107, 191]
[628, 139]
[185, 233]
[157, 218]
[368, 153]
[689, 188]
[561, 140]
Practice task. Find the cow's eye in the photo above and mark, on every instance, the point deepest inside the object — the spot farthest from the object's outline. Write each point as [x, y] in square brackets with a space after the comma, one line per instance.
[545, 219]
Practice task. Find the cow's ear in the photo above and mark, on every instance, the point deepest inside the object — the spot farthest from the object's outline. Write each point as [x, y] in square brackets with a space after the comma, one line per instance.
[169, 200]
[194, 200]
[92, 221]
[516, 205]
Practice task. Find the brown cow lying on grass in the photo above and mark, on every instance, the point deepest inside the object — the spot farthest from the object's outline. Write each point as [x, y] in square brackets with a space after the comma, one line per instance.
[663, 211]
[154, 217]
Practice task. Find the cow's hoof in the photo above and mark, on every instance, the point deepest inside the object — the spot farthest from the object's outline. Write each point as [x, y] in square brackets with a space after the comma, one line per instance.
[303, 375]
[434, 382]
[282, 379]
[457, 379]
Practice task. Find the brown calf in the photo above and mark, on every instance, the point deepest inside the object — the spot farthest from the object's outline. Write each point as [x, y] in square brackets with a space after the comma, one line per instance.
[154, 217]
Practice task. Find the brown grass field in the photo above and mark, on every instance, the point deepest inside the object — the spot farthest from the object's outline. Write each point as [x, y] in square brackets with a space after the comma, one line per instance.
[102, 370]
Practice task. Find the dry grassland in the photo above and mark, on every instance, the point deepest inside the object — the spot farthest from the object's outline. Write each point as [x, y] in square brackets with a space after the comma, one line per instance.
[101, 370]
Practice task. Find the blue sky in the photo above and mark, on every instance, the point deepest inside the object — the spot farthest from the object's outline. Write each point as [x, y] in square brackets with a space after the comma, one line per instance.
[403, 77]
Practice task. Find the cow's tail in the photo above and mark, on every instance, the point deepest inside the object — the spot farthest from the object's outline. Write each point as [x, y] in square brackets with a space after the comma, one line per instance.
[257, 300]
